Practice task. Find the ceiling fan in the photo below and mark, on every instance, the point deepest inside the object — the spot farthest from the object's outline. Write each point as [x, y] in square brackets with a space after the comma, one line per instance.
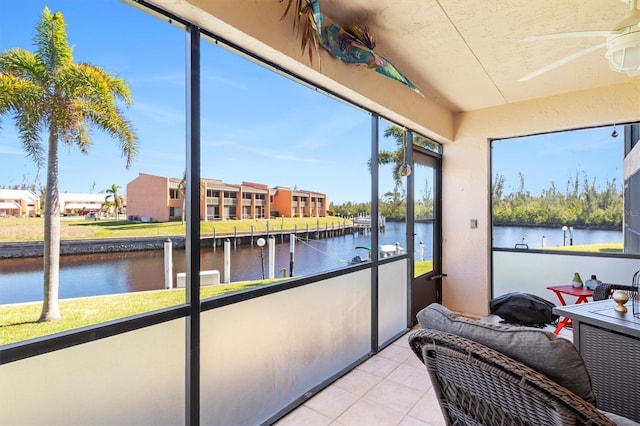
[623, 44]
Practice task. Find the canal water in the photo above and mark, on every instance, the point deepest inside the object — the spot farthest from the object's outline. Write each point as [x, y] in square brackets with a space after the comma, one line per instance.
[534, 237]
[21, 280]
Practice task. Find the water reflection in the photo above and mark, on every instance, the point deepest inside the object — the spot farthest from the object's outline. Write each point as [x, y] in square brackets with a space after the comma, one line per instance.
[21, 280]
[509, 236]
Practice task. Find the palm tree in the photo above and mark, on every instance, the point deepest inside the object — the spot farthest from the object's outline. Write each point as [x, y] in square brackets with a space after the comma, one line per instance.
[117, 199]
[45, 91]
[398, 157]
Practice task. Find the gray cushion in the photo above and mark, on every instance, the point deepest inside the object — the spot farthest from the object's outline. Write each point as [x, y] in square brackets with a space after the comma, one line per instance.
[619, 420]
[555, 357]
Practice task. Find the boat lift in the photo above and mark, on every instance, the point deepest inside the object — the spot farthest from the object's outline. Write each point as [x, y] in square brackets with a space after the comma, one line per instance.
[384, 250]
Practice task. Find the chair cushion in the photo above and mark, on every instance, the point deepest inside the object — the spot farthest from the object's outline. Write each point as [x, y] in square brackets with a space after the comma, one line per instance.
[619, 420]
[555, 357]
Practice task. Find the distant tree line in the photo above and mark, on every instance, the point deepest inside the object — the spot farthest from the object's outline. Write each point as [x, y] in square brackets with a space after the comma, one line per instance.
[392, 205]
[581, 204]
[22, 186]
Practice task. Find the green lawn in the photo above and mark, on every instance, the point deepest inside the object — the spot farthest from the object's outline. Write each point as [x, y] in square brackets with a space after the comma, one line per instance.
[19, 322]
[32, 229]
[423, 267]
[601, 248]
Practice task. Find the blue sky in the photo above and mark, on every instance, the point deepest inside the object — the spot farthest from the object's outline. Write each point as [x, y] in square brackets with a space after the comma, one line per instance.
[558, 158]
[256, 126]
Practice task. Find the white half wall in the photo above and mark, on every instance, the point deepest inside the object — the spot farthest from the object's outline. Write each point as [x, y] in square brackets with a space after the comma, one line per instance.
[135, 378]
[534, 272]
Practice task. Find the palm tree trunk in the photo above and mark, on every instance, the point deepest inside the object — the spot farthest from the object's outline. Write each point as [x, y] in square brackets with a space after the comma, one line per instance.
[118, 201]
[50, 310]
[184, 204]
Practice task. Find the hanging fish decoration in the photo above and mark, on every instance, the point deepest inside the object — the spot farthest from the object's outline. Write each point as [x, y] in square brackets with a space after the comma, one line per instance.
[352, 44]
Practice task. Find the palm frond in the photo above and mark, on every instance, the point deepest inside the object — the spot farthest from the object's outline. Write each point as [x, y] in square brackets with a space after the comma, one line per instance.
[111, 83]
[361, 35]
[52, 46]
[114, 123]
[305, 26]
[24, 100]
[79, 136]
[92, 96]
[29, 127]
[387, 157]
[23, 64]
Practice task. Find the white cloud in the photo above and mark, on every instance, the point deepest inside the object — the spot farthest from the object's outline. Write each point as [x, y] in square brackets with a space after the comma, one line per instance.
[273, 154]
[158, 113]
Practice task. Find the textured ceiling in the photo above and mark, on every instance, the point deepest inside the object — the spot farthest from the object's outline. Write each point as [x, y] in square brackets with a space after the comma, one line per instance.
[464, 55]
[470, 54]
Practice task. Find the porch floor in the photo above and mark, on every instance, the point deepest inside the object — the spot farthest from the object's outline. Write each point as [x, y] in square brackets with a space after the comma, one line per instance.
[390, 389]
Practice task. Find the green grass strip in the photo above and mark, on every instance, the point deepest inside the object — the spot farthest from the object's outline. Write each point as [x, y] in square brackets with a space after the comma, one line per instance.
[19, 322]
[421, 268]
[592, 248]
[32, 229]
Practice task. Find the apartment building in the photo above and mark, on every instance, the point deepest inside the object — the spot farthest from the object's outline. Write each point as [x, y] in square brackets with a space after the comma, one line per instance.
[154, 198]
[18, 202]
[159, 198]
[227, 201]
[298, 203]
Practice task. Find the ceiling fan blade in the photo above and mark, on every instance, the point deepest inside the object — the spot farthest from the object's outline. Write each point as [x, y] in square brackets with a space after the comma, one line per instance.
[574, 34]
[562, 61]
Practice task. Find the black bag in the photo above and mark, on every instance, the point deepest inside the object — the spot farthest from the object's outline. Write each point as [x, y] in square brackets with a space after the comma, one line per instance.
[523, 309]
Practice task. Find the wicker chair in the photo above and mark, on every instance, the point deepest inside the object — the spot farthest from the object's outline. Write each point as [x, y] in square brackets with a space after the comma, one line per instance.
[476, 385]
[604, 291]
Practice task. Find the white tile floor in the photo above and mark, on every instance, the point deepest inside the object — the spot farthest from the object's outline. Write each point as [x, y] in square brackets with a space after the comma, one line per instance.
[390, 389]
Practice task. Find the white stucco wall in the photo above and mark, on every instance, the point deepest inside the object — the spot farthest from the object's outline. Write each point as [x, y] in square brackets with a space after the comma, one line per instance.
[466, 177]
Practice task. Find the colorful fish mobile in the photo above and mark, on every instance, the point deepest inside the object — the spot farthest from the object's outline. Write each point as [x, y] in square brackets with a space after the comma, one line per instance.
[352, 44]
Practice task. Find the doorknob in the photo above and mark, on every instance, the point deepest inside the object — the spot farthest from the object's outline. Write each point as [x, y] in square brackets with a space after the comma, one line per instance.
[437, 277]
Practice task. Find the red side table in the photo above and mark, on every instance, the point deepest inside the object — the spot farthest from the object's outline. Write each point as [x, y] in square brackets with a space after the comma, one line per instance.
[580, 292]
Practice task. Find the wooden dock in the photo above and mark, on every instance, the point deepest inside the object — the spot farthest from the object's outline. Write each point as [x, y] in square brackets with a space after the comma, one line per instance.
[364, 222]
[281, 235]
